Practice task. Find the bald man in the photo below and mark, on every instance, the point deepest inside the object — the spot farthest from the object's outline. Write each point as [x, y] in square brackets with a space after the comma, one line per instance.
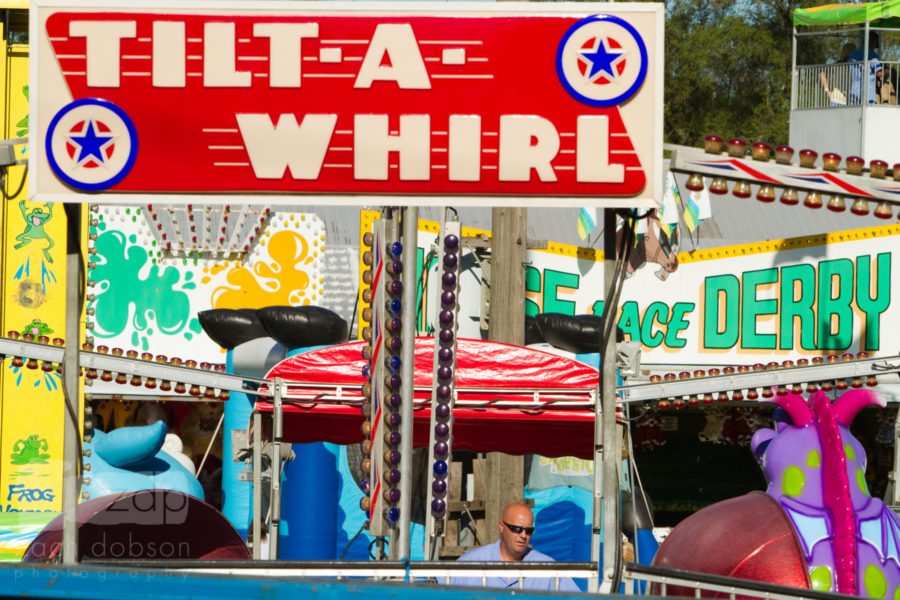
[516, 527]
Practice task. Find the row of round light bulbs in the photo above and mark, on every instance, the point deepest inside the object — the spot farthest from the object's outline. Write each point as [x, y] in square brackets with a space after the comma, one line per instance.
[445, 380]
[761, 151]
[391, 345]
[367, 295]
[694, 400]
[135, 380]
[264, 218]
[392, 381]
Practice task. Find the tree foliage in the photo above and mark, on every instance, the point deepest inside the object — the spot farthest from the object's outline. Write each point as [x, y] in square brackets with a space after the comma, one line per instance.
[728, 69]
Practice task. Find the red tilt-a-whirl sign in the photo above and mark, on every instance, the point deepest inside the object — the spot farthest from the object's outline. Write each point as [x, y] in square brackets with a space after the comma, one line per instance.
[507, 104]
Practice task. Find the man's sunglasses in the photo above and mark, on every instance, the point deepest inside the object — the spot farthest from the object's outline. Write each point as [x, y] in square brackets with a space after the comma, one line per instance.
[517, 529]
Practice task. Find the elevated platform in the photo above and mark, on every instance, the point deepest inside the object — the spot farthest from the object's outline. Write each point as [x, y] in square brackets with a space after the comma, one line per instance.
[849, 131]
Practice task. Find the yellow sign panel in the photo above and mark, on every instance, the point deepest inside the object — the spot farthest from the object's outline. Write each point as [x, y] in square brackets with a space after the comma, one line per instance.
[32, 302]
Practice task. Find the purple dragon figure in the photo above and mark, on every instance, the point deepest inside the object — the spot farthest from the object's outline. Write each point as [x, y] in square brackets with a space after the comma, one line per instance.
[815, 469]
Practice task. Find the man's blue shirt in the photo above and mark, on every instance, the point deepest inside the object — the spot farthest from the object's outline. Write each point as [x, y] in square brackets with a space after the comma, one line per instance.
[491, 553]
[856, 75]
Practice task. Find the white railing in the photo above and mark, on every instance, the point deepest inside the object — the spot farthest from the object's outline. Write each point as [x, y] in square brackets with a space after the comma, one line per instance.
[436, 572]
[847, 85]
[638, 579]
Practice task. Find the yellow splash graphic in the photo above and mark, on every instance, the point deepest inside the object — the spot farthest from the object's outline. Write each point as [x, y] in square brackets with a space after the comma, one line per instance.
[280, 279]
[214, 270]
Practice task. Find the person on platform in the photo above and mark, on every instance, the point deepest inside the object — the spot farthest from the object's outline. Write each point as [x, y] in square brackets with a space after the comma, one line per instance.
[856, 72]
[833, 91]
[516, 527]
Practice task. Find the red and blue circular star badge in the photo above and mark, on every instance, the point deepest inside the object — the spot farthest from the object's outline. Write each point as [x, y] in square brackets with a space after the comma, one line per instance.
[601, 61]
[91, 144]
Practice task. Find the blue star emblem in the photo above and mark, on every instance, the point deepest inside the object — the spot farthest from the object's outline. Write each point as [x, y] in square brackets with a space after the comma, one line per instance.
[602, 59]
[90, 144]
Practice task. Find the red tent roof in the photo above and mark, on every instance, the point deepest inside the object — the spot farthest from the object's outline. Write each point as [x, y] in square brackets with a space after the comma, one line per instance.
[509, 398]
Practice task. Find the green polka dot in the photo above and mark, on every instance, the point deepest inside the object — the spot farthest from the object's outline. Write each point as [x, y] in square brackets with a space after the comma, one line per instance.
[848, 450]
[820, 577]
[897, 594]
[861, 481]
[793, 481]
[875, 582]
[813, 459]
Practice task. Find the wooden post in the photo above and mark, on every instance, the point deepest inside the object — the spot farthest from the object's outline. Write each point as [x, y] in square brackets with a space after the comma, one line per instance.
[504, 473]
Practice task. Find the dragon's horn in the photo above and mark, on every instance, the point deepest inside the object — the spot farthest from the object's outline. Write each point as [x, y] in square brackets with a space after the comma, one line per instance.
[796, 407]
[851, 402]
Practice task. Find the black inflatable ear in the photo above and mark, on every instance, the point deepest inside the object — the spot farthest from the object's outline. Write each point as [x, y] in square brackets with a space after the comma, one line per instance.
[580, 334]
[637, 512]
[532, 333]
[302, 326]
[229, 327]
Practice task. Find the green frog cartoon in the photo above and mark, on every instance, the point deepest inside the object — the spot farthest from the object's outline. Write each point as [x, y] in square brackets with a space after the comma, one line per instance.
[28, 451]
[37, 328]
[35, 220]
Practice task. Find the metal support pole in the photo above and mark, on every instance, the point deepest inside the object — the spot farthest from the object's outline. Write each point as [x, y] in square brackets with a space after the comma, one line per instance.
[864, 85]
[608, 413]
[596, 521]
[407, 371]
[257, 484]
[71, 484]
[894, 484]
[275, 496]
[794, 79]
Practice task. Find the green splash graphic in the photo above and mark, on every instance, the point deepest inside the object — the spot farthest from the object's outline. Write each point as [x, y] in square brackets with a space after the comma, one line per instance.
[149, 304]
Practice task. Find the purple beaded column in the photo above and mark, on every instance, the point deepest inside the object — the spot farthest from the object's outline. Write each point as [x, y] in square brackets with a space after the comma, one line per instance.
[392, 379]
[385, 382]
[367, 294]
[443, 394]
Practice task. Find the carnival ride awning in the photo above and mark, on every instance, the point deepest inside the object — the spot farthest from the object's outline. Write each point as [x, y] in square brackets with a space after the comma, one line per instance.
[508, 398]
[849, 14]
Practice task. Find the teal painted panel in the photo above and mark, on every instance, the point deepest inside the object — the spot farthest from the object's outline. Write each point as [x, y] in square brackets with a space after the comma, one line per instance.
[94, 583]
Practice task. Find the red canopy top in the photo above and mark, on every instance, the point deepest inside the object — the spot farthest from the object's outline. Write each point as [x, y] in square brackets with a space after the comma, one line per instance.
[509, 398]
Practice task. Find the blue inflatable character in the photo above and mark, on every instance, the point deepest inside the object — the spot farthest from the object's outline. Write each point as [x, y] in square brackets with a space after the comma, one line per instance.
[130, 459]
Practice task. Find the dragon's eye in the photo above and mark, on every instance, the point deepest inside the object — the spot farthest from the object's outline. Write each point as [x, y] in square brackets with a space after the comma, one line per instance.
[761, 449]
[779, 415]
